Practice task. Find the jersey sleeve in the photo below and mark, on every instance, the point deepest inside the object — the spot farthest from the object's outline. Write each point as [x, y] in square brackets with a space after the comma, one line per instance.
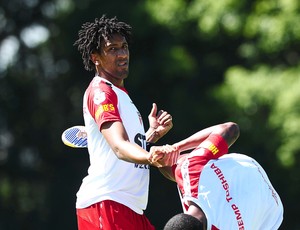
[102, 103]
[214, 147]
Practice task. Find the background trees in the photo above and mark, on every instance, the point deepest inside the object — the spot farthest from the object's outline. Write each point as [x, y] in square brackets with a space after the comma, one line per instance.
[205, 62]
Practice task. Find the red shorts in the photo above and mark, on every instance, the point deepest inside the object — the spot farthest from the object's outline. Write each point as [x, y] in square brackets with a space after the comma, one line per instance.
[110, 215]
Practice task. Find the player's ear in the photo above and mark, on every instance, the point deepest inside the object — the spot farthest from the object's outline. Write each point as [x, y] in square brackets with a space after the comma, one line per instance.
[95, 58]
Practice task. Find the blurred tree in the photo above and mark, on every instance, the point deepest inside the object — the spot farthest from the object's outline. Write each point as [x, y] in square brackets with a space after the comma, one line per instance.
[264, 101]
[204, 61]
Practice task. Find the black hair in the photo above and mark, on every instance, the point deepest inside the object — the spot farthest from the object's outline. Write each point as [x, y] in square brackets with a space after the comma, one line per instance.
[183, 221]
[92, 34]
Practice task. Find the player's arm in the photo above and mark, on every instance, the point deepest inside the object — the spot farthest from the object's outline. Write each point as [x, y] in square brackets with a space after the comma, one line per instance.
[102, 104]
[168, 171]
[221, 137]
[229, 131]
[116, 136]
[218, 137]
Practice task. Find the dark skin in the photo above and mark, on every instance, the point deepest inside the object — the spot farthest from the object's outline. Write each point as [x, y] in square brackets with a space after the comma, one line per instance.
[112, 63]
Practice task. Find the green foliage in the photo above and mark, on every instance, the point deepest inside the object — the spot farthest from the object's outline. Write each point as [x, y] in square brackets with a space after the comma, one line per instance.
[272, 24]
[274, 88]
[203, 61]
[165, 11]
[209, 15]
[269, 24]
[184, 62]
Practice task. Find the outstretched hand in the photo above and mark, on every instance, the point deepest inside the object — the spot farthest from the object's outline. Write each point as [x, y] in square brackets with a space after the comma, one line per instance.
[160, 123]
[161, 156]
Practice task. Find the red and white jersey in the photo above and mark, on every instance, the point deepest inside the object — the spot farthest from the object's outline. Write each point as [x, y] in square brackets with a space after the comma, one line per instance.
[108, 177]
[233, 191]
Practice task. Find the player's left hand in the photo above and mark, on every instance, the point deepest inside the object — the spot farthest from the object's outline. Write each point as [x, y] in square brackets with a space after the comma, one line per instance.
[160, 122]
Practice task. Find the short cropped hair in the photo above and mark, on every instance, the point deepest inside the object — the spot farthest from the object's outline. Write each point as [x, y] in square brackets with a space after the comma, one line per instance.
[183, 221]
[93, 33]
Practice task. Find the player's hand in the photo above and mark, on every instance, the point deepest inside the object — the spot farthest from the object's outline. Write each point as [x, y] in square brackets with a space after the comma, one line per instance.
[157, 153]
[160, 123]
[161, 156]
[170, 157]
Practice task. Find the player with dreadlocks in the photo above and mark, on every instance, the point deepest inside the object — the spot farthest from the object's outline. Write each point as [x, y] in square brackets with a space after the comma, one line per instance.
[114, 194]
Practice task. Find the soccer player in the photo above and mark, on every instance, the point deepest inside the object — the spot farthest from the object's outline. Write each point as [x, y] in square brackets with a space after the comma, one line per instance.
[220, 190]
[114, 194]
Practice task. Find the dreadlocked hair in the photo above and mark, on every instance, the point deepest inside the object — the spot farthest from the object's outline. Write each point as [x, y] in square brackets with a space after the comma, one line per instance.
[93, 33]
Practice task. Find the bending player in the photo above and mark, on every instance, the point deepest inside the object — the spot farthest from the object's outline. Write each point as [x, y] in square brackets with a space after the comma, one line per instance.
[220, 190]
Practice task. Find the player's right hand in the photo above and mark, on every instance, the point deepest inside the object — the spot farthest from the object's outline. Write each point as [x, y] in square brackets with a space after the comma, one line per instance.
[165, 155]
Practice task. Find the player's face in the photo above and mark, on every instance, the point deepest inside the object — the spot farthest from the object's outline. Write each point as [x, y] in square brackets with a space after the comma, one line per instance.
[114, 59]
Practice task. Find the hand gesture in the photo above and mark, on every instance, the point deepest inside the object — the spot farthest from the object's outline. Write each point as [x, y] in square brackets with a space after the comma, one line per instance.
[161, 156]
[160, 123]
